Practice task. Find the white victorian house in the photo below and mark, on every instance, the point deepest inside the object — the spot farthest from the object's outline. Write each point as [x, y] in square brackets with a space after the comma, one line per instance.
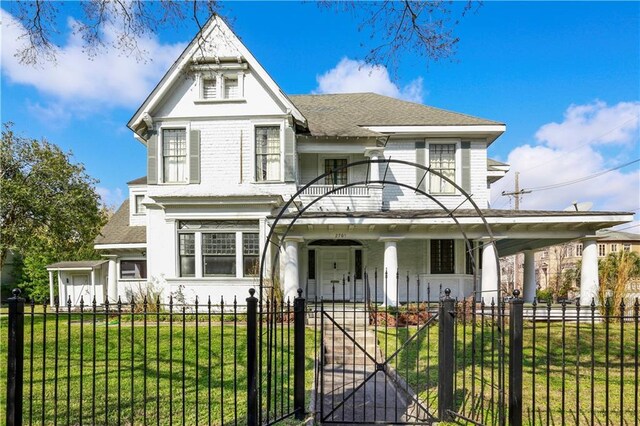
[227, 148]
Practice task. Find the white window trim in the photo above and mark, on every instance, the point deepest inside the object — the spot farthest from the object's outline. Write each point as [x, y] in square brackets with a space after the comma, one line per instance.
[135, 211]
[119, 269]
[160, 165]
[267, 123]
[220, 78]
[199, 267]
[458, 160]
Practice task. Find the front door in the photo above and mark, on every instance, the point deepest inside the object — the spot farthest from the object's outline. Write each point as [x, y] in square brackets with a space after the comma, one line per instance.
[334, 267]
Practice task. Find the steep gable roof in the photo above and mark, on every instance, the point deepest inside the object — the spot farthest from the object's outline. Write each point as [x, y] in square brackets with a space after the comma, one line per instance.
[204, 46]
[348, 114]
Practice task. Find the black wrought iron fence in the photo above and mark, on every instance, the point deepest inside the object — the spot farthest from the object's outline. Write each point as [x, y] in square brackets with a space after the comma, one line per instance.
[547, 363]
[145, 362]
[251, 363]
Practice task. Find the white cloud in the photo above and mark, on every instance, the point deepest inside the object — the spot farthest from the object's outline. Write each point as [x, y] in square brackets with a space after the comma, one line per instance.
[110, 79]
[592, 138]
[593, 124]
[351, 76]
[112, 198]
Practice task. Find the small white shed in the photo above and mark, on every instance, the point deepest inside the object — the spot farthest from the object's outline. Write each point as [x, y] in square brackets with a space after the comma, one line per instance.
[76, 279]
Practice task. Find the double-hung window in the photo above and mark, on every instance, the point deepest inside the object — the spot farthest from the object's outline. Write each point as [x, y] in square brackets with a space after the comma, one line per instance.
[602, 250]
[267, 153]
[338, 177]
[174, 155]
[442, 159]
[442, 256]
[219, 254]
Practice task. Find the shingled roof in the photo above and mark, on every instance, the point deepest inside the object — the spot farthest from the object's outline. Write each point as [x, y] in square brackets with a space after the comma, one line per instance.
[347, 114]
[118, 230]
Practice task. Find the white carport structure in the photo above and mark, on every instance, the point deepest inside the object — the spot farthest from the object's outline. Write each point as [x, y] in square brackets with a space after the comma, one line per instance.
[78, 279]
[396, 236]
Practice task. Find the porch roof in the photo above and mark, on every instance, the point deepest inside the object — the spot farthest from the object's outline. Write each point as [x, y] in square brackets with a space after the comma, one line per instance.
[514, 231]
[77, 265]
[460, 213]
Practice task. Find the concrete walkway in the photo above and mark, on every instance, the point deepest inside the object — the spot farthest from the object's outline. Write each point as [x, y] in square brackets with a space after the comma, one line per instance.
[346, 396]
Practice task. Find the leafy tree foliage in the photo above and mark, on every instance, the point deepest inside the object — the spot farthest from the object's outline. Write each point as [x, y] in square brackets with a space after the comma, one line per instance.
[49, 208]
[419, 27]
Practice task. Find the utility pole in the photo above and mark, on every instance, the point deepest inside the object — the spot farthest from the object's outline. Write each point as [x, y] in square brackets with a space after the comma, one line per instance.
[517, 194]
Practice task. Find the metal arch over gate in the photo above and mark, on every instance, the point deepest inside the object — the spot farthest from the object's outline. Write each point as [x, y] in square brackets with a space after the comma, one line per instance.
[359, 328]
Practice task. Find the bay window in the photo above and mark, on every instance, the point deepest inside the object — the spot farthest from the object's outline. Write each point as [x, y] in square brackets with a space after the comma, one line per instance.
[442, 159]
[224, 248]
[267, 153]
[174, 155]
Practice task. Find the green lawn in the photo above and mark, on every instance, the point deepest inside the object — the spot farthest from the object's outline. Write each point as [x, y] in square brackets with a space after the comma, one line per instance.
[203, 384]
[568, 393]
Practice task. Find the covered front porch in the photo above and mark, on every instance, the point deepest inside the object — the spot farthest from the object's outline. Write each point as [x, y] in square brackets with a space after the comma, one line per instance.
[416, 254]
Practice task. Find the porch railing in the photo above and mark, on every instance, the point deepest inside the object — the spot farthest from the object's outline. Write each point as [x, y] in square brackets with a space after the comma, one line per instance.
[351, 191]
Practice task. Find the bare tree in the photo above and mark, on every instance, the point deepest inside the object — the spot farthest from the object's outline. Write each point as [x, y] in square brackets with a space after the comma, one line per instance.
[422, 28]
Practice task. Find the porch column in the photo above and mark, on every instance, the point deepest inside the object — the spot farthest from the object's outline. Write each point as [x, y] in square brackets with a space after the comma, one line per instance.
[529, 282]
[489, 273]
[112, 280]
[374, 172]
[589, 284]
[390, 284]
[93, 286]
[290, 266]
[51, 293]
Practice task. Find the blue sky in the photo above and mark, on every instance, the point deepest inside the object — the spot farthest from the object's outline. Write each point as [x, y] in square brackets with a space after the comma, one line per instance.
[564, 77]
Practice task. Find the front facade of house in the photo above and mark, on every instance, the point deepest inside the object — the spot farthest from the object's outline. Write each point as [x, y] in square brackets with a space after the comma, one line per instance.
[227, 149]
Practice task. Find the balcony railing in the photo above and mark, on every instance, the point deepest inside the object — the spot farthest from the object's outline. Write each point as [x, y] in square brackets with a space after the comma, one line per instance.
[350, 191]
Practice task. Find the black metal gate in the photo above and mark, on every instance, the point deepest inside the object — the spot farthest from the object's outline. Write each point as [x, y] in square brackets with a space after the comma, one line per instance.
[370, 368]
[374, 363]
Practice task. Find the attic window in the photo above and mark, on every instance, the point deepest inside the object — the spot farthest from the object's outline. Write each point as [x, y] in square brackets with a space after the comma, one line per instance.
[209, 88]
[220, 87]
[231, 88]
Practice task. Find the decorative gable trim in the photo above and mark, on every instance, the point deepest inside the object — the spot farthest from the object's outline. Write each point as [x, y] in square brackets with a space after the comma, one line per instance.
[139, 126]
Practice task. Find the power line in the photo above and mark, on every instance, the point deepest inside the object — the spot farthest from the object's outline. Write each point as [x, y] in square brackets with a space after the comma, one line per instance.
[622, 229]
[582, 179]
